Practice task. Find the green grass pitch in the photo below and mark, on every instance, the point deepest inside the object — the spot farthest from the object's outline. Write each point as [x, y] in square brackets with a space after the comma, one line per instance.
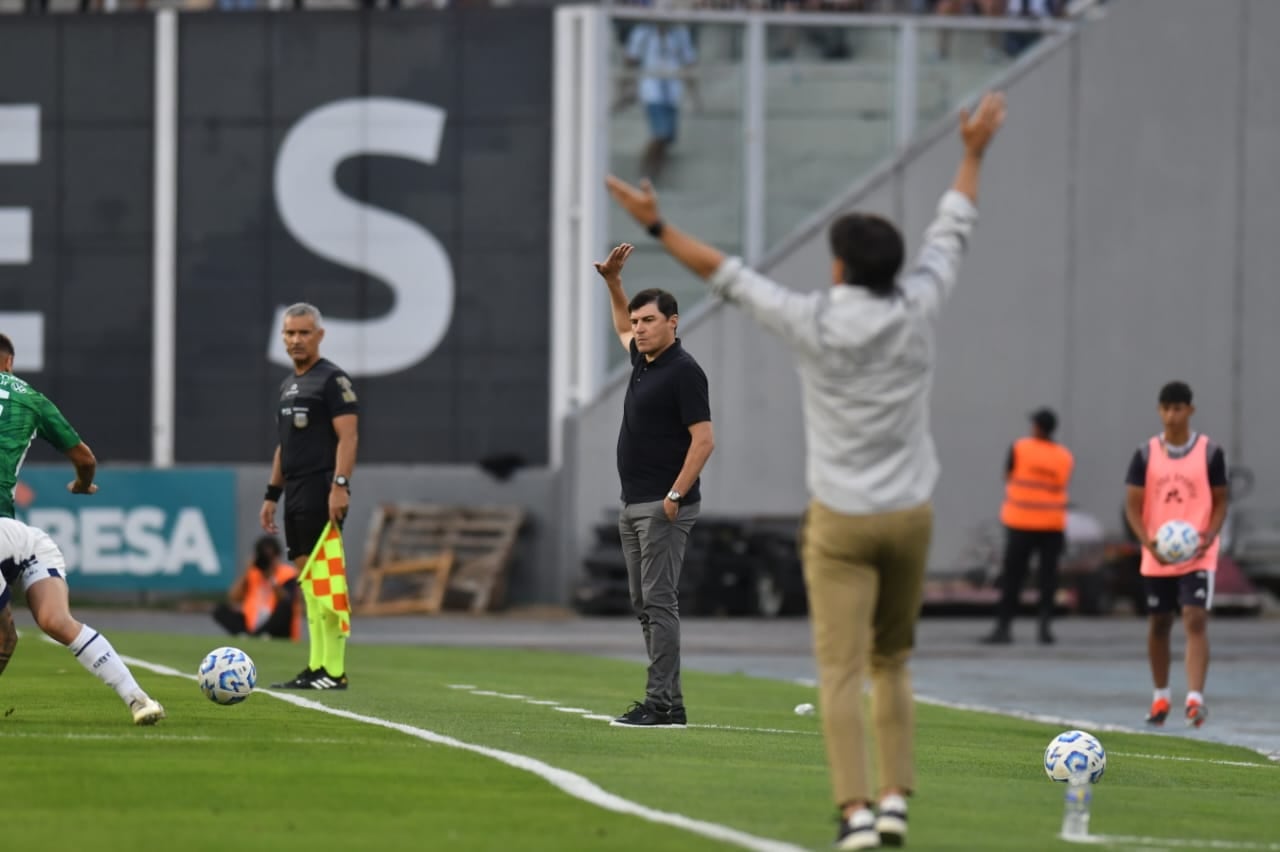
[269, 775]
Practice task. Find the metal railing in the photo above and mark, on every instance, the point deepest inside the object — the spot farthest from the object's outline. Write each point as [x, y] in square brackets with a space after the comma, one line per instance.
[750, 164]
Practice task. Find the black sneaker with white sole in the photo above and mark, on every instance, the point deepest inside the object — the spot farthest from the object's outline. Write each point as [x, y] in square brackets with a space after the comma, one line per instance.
[642, 715]
[891, 821]
[324, 680]
[858, 831]
[300, 681]
[677, 718]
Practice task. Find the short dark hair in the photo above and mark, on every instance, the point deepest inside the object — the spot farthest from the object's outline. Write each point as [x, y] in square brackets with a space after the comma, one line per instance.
[666, 302]
[6, 345]
[871, 249]
[1046, 419]
[1175, 393]
[266, 550]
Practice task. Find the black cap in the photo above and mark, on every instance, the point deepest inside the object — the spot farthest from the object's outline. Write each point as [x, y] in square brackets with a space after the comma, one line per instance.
[1045, 419]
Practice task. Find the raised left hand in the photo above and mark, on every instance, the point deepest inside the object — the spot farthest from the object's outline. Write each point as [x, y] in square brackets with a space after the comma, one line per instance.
[640, 202]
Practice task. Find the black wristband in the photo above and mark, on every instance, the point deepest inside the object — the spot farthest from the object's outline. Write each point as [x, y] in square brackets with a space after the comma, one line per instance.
[655, 230]
[273, 493]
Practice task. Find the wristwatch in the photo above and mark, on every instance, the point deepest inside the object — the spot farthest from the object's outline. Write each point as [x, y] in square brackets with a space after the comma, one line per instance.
[342, 481]
[674, 496]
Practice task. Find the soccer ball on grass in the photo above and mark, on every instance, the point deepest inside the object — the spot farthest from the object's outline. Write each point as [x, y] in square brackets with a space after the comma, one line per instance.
[1075, 753]
[227, 675]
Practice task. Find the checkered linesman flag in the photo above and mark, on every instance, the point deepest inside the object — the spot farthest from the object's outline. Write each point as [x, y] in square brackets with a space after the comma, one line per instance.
[324, 577]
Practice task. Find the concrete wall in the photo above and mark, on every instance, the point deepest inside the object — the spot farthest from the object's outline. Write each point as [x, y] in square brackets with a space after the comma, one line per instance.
[1129, 214]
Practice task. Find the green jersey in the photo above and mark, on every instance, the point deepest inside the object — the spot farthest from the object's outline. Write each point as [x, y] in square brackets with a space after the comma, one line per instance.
[24, 414]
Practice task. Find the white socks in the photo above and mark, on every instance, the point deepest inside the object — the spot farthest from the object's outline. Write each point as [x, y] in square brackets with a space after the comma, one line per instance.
[1195, 696]
[95, 653]
[1162, 693]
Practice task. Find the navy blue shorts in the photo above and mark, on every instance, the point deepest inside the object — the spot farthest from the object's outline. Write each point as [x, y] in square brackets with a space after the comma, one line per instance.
[1171, 594]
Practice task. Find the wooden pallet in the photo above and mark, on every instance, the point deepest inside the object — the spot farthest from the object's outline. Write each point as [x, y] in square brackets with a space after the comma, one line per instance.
[421, 558]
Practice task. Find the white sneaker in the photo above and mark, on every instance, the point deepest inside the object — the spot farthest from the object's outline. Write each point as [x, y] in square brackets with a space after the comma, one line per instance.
[146, 710]
[858, 831]
[891, 824]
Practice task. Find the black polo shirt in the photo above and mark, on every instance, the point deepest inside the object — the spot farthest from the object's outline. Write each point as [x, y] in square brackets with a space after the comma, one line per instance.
[304, 421]
[664, 398]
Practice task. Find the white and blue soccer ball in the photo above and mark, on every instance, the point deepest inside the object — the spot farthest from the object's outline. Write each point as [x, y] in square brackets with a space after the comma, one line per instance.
[1177, 541]
[227, 675]
[1075, 753]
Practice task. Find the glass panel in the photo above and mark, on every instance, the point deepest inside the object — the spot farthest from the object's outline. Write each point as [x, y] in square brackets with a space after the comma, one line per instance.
[698, 175]
[829, 102]
[954, 65]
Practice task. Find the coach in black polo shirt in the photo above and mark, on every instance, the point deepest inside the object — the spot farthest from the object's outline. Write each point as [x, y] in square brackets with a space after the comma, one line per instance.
[665, 440]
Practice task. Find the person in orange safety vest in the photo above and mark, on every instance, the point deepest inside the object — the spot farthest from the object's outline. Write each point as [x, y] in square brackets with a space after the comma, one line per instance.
[1035, 518]
[264, 601]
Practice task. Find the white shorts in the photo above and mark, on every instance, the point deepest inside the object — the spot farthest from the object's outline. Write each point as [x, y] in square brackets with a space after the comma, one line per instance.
[44, 563]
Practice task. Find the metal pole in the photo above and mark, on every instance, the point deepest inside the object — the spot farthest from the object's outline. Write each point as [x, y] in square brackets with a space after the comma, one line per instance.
[753, 143]
[905, 80]
[164, 239]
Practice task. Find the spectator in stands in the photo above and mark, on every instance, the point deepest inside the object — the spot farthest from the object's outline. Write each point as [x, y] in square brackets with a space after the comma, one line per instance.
[264, 601]
[662, 52]
[1016, 42]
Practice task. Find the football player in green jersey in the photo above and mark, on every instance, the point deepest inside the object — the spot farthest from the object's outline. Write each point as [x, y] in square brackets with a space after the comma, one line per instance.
[28, 557]
[26, 414]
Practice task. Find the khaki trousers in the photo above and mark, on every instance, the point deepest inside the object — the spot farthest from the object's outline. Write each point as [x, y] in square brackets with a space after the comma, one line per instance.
[864, 575]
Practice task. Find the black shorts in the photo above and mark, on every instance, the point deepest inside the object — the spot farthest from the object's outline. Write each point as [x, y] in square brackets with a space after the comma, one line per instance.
[306, 511]
[1170, 594]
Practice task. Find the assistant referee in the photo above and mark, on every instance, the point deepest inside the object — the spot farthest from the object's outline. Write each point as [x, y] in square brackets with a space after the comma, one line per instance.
[317, 423]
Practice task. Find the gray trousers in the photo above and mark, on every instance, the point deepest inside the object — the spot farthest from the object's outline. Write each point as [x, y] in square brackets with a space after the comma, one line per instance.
[654, 549]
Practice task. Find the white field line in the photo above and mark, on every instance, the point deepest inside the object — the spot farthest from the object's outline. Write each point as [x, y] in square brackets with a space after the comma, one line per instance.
[1169, 842]
[152, 737]
[32, 735]
[1088, 725]
[597, 717]
[568, 782]
[1196, 760]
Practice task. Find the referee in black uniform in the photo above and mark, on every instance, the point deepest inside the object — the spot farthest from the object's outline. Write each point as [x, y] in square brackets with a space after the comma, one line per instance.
[317, 423]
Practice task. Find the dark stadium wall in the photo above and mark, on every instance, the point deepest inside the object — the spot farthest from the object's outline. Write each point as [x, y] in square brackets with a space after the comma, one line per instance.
[393, 170]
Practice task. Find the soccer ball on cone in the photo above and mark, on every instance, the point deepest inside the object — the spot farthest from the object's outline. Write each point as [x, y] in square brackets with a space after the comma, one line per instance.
[1075, 753]
[227, 675]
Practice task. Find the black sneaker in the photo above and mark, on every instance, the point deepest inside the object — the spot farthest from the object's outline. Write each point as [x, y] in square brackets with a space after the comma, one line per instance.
[891, 821]
[323, 680]
[677, 718]
[642, 715]
[301, 681]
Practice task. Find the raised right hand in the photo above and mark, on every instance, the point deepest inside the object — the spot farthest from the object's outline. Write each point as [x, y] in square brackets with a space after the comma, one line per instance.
[611, 268]
[979, 128]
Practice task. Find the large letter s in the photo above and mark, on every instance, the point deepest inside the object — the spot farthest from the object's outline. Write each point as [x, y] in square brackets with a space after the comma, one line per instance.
[399, 252]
